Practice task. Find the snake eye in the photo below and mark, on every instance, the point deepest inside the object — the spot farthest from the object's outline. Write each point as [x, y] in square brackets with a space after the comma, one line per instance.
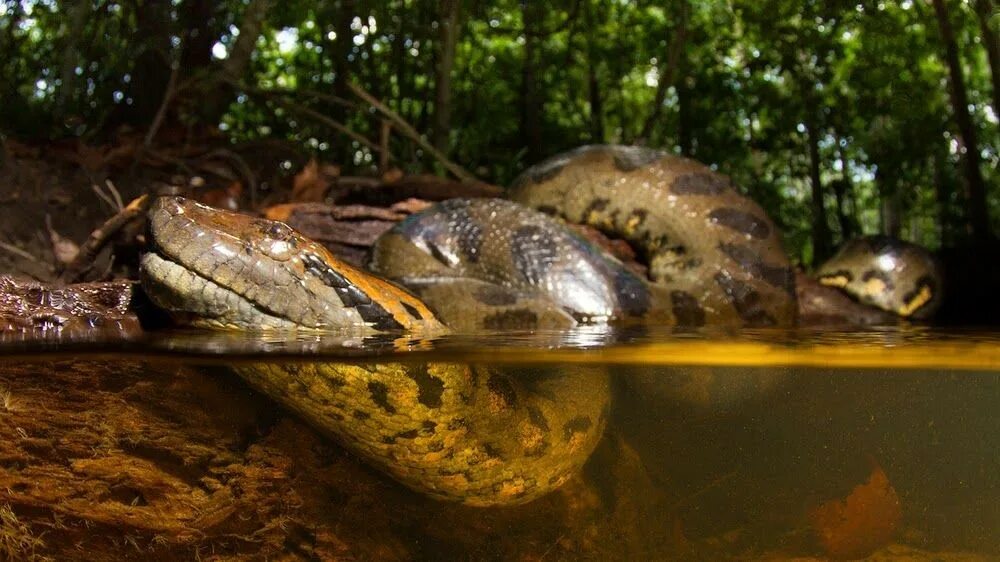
[279, 240]
[277, 230]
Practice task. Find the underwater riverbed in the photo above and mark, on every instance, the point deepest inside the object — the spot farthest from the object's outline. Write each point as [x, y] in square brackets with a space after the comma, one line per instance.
[758, 445]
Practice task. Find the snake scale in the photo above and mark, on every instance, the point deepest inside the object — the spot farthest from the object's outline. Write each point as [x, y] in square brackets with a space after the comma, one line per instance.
[470, 433]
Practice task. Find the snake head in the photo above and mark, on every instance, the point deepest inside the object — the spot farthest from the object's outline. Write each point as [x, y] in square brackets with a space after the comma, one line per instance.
[217, 268]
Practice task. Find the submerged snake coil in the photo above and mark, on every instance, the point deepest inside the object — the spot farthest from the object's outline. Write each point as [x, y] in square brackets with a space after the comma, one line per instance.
[461, 432]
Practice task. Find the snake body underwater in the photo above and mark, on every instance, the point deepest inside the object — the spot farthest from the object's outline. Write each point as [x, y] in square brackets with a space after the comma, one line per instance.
[468, 433]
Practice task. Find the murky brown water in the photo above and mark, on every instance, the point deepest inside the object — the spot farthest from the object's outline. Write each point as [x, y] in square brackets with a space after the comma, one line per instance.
[758, 445]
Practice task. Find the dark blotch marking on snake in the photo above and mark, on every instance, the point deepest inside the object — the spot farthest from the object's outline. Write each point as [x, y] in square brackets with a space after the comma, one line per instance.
[361, 415]
[686, 309]
[380, 396]
[352, 297]
[578, 424]
[494, 295]
[635, 220]
[519, 318]
[880, 244]
[538, 418]
[492, 451]
[633, 296]
[412, 310]
[549, 168]
[630, 158]
[741, 221]
[440, 256]
[700, 183]
[752, 263]
[429, 387]
[745, 299]
[501, 387]
[470, 236]
[594, 210]
[408, 434]
[462, 228]
[924, 282]
[533, 252]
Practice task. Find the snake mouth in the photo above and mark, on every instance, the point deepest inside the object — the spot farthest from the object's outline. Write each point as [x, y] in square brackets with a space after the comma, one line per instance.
[215, 268]
[198, 300]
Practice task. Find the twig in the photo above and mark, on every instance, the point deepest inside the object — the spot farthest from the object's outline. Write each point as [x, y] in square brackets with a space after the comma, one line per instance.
[115, 200]
[100, 237]
[331, 123]
[19, 252]
[161, 113]
[383, 159]
[289, 92]
[405, 128]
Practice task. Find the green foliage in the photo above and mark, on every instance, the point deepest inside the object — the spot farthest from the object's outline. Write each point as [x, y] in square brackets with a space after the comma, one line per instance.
[749, 78]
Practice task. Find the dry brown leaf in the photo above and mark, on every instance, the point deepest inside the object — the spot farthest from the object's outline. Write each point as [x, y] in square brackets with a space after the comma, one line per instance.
[309, 184]
[64, 249]
[860, 523]
[410, 205]
[330, 170]
[392, 175]
[223, 198]
[280, 212]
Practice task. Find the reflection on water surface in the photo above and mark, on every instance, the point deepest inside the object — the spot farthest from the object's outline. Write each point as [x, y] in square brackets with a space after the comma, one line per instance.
[757, 445]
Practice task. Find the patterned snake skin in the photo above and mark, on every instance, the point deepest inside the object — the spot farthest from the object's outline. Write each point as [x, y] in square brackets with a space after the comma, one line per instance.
[469, 433]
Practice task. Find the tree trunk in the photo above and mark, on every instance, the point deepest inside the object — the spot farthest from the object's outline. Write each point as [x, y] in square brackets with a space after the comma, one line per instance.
[668, 72]
[943, 191]
[340, 49]
[822, 238]
[151, 69]
[216, 92]
[984, 11]
[684, 126]
[843, 189]
[76, 22]
[889, 203]
[448, 31]
[596, 100]
[251, 26]
[531, 110]
[979, 221]
[201, 30]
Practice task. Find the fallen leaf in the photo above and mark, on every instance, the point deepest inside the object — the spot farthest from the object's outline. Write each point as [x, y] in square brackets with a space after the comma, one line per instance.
[309, 184]
[223, 198]
[860, 523]
[64, 249]
[280, 212]
[410, 205]
[392, 175]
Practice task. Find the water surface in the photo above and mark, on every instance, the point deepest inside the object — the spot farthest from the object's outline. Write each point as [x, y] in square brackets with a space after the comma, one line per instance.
[749, 445]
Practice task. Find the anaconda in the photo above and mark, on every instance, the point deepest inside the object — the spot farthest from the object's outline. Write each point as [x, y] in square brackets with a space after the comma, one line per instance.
[461, 432]
[893, 275]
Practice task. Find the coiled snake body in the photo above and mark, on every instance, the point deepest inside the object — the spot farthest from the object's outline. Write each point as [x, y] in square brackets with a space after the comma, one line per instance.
[468, 433]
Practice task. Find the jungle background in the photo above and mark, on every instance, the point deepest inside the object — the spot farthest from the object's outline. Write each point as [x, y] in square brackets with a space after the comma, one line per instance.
[840, 118]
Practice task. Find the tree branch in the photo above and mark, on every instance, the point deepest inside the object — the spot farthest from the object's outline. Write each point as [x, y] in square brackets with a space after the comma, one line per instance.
[408, 130]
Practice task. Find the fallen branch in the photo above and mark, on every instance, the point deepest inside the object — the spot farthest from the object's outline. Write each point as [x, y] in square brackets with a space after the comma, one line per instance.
[100, 238]
[408, 130]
